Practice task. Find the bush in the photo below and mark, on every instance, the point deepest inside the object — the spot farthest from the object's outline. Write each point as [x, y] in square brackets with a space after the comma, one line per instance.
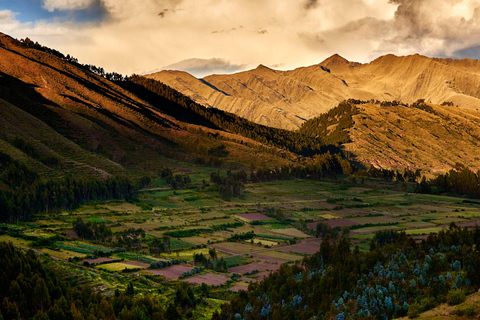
[469, 311]
[455, 297]
[414, 311]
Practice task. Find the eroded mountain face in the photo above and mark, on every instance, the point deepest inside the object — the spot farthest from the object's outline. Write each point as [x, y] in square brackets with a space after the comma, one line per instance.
[285, 99]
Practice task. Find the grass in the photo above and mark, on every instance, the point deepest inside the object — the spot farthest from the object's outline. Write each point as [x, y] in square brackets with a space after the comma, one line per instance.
[236, 261]
[176, 244]
[97, 220]
[116, 266]
[136, 257]
[263, 242]
[74, 249]
[268, 236]
[424, 231]
[62, 254]
[14, 241]
[276, 226]
[282, 255]
[187, 254]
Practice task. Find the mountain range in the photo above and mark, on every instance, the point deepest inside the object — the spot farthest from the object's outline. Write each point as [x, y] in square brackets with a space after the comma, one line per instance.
[286, 99]
[262, 117]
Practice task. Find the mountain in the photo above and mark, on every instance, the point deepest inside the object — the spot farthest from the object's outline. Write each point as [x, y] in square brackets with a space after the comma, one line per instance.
[422, 136]
[285, 99]
[54, 108]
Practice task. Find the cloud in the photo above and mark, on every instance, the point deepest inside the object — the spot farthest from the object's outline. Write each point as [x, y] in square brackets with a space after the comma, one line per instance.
[135, 36]
[52, 5]
[203, 67]
[311, 4]
[470, 53]
[438, 28]
[8, 22]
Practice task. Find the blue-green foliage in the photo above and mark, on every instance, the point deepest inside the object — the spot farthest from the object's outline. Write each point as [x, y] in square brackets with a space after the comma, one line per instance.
[341, 283]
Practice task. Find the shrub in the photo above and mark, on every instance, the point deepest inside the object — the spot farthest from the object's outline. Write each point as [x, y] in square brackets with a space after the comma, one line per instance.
[455, 297]
[469, 311]
[414, 311]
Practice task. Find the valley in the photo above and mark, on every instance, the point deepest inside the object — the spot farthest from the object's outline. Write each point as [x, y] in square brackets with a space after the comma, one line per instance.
[243, 240]
[260, 195]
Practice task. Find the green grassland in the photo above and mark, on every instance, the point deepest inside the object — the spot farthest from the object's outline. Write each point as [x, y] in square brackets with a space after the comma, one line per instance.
[292, 206]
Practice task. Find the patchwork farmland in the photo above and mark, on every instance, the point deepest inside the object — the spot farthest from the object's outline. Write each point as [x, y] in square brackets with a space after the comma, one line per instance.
[166, 237]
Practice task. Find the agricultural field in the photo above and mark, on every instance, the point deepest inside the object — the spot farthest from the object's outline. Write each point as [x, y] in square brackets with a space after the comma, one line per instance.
[240, 241]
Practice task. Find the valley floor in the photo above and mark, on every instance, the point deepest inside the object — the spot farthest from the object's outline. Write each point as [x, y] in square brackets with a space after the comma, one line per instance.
[273, 223]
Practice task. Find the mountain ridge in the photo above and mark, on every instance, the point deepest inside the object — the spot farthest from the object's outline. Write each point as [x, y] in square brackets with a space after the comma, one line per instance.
[283, 98]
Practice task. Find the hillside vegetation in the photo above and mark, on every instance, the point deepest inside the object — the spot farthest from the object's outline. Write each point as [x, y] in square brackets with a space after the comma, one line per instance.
[398, 276]
[417, 136]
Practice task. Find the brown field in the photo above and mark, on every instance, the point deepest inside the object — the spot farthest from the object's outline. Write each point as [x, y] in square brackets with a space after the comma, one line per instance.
[374, 220]
[171, 273]
[291, 232]
[253, 216]
[302, 247]
[327, 205]
[260, 266]
[260, 276]
[71, 233]
[372, 230]
[234, 247]
[209, 279]
[268, 258]
[237, 288]
[96, 261]
[334, 223]
[353, 212]
[280, 256]
[122, 207]
[341, 223]
[471, 223]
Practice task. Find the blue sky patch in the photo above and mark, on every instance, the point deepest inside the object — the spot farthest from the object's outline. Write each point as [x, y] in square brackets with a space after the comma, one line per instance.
[33, 10]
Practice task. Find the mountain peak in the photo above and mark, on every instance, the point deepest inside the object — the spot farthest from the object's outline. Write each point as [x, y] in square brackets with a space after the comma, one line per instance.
[262, 67]
[336, 59]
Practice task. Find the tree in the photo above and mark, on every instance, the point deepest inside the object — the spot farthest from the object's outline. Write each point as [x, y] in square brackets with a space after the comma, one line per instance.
[130, 291]
[41, 295]
[213, 253]
[172, 313]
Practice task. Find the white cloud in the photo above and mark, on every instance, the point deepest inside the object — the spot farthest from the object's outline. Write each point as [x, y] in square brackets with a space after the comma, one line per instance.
[52, 5]
[137, 36]
[8, 22]
[204, 67]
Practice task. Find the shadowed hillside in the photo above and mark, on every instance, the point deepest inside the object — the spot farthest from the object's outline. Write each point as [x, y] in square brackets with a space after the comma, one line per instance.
[94, 127]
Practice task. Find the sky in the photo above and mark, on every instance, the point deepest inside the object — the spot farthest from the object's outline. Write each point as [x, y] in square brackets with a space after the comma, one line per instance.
[225, 36]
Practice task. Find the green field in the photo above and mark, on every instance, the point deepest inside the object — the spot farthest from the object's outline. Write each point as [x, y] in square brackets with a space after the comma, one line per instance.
[290, 205]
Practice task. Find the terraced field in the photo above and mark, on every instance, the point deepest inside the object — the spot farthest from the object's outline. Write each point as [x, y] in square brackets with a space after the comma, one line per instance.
[277, 221]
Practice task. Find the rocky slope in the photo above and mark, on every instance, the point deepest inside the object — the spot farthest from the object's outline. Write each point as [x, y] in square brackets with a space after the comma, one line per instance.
[399, 136]
[285, 99]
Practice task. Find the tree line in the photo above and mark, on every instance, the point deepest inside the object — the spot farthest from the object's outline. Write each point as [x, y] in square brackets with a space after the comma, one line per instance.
[460, 181]
[23, 194]
[112, 76]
